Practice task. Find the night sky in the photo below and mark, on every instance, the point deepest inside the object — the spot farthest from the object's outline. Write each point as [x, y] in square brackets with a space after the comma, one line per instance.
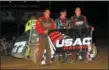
[96, 13]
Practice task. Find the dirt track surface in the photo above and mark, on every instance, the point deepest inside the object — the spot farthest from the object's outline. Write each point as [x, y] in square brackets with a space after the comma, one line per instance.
[101, 62]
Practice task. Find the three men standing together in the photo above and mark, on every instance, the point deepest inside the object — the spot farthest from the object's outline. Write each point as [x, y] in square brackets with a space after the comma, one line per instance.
[45, 23]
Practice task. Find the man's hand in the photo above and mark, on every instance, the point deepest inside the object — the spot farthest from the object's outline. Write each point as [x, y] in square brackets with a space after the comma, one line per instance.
[46, 31]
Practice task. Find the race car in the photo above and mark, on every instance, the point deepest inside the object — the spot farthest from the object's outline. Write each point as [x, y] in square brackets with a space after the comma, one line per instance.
[62, 39]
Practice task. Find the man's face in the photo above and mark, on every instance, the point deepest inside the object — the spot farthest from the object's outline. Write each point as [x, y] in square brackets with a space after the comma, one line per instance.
[47, 13]
[78, 11]
[63, 14]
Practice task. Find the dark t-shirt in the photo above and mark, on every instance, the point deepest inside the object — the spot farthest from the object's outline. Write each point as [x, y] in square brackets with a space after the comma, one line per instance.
[80, 21]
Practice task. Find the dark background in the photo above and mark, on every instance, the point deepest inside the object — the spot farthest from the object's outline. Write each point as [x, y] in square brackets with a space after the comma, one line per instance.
[96, 13]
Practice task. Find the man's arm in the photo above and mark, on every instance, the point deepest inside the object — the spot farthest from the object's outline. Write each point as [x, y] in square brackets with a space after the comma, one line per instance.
[72, 22]
[68, 23]
[87, 24]
[39, 28]
[53, 26]
[56, 23]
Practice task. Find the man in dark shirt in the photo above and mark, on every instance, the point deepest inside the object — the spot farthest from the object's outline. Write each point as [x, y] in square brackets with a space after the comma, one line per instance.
[79, 21]
[80, 25]
[62, 22]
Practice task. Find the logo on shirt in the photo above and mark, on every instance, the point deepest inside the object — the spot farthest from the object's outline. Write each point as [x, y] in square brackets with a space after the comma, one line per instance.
[79, 23]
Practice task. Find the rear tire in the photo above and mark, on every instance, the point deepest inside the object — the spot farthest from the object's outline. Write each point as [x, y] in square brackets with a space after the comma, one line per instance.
[93, 52]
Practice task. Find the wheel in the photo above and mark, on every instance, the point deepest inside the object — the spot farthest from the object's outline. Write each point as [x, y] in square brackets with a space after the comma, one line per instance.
[93, 52]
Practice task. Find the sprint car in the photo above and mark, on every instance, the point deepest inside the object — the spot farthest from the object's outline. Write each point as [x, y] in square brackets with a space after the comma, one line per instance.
[59, 40]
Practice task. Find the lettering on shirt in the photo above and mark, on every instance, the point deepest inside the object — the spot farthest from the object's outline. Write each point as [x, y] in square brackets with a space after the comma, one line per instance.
[79, 23]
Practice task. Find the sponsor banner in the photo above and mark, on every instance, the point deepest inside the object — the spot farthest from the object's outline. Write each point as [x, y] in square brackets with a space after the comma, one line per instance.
[70, 41]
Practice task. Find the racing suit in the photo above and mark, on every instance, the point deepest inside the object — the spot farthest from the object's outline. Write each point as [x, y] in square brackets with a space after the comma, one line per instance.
[62, 24]
[80, 26]
[41, 25]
